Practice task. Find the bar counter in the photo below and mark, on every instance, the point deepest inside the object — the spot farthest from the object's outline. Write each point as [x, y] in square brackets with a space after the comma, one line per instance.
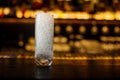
[13, 68]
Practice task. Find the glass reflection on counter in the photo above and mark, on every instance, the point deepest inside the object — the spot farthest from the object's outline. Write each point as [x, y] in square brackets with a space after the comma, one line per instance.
[43, 72]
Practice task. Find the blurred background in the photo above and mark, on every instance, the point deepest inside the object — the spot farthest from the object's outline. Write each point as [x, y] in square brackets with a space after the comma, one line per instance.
[83, 28]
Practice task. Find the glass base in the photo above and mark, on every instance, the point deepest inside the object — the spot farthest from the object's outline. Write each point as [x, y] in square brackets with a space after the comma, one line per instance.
[43, 62]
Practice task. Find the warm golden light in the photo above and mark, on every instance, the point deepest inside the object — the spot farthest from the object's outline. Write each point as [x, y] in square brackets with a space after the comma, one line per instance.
[71, 15]
[6, 11]
[82, 29]
[94, 30]
[57, 29]
[27, 14]
[99, 16]
[117, 15]
[85, 15]
[56, 39]
[65, 15]
[117, 57]
[60, 13]
[19, 14]
[19, 56]
[32, 14]
[69, 28]
[117, 38]
[37, 11]
[28, 47]
[57, 13]
[31, 40]
[108, 15]
[116, 29]
[65, 47]
[63, 40]
[105, 29]
[72, 58]
[31, 57]
[103, 38]
[1, 10]
[78, 15]
[20, 43]
[50, 12]
[77, 43]
[27, 56]
[57, 47]
[111, 38]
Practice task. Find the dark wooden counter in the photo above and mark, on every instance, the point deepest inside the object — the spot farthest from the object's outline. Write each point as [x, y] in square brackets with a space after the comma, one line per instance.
[13, 68]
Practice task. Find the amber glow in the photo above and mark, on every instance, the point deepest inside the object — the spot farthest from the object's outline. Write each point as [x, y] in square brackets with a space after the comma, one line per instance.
[94, 29]
[117, 15]
[69, 28]
[56, 39]
[63, 40]
[32, 14]
[27, 14]
[19, 14]
[99, 16]
[108, 15]
[31, 40]
[117, 29]
[19, 56]
[85, 15]
[82, 29]
[20, 43]
[105, 29]
[6, 11]
[57, 29]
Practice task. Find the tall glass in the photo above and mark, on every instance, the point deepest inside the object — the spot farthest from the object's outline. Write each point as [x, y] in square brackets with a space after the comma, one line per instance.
[44, 32]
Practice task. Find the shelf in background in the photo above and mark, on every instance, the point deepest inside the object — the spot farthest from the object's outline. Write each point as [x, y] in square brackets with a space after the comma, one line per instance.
[59, 21]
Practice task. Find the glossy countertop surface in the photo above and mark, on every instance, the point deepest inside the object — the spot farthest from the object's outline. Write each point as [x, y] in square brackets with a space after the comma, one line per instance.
[13, 68]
